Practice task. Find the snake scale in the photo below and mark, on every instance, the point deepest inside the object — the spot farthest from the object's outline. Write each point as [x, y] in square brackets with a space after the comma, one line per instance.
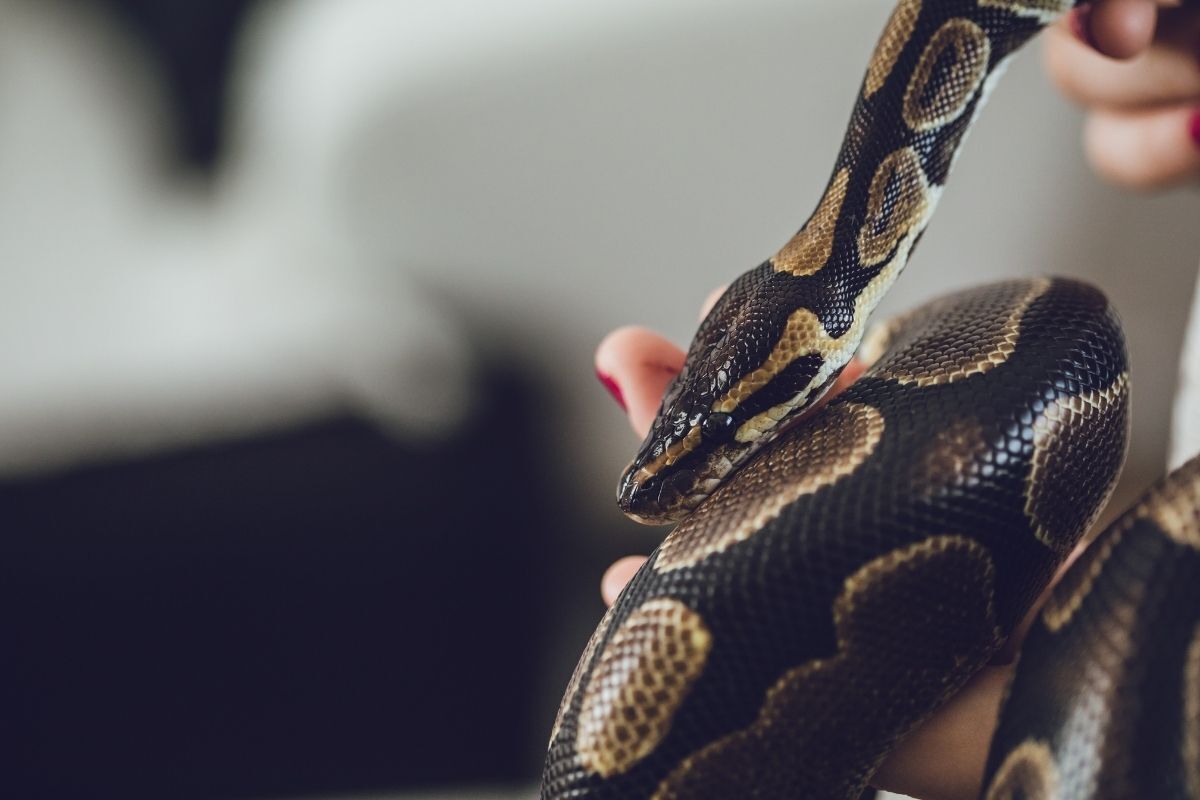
[825, 594]
[1106, 700]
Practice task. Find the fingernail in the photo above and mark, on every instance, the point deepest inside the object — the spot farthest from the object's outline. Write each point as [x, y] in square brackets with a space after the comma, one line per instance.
[612, 387]
[1194, 127]
[1081, 24]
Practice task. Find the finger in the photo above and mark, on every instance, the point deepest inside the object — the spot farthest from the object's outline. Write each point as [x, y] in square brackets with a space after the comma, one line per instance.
[1145, 149]
[945, 758]
[636, 364]
[619, 574]
[1166, 74]
[850, 373]
[1117, 28]
[1122, 28]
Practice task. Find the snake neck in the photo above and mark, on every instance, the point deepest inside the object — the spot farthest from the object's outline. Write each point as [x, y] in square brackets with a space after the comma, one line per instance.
[781, 334]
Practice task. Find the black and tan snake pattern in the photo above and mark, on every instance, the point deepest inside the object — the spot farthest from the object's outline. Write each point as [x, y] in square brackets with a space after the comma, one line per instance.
[825, 594]
[1106, 701]
[849, 578]
[782, 332]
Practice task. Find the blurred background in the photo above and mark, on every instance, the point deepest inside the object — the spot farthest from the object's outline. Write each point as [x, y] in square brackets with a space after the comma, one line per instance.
[306, 483]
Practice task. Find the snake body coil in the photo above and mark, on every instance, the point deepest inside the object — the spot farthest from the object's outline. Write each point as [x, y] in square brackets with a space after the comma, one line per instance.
[845, 582]
[1106, 701]
[825, 594]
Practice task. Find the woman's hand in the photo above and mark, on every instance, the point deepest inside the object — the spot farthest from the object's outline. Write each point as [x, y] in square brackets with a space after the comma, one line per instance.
[1135, 66]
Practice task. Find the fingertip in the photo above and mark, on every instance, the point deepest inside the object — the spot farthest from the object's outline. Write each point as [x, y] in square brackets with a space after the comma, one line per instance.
[636, 364]
[1143, 150]
[618, 575]
[853, 371]
[1119, 29]
[1079, 21]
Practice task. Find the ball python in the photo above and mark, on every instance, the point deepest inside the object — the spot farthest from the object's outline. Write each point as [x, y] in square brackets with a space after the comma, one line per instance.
[1106, 699]
[822, 596]
[852, 576]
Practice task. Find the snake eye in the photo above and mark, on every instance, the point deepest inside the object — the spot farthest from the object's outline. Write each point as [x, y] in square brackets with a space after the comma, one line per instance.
[717, 427]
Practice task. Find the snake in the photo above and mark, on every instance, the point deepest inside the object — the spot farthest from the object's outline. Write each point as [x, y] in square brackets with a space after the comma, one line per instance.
[835, 577]
[1106, 698]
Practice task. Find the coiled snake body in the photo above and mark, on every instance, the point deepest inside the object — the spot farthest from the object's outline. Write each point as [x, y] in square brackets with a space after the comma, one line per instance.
[819, 602]
[1106, 701]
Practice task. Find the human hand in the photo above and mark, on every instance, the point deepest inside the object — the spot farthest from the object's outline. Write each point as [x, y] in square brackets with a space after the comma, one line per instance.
[945, 758]
[1135, 66]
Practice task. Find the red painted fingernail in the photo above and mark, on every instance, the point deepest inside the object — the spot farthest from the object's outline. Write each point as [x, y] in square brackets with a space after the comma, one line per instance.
[1081, 24]
[612, 387]
[1194, 127]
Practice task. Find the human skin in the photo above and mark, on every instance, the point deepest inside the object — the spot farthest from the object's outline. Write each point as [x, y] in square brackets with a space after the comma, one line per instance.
[1135, 67]
[1143, 111]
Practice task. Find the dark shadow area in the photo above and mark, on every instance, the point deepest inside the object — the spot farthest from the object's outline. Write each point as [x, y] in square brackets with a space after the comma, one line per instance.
[191, 44]
[321, 610]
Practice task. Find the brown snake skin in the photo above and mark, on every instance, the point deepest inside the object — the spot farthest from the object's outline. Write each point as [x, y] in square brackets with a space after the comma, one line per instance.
[778, 337]
[1106, 700]
[831, 584]
[852, 576]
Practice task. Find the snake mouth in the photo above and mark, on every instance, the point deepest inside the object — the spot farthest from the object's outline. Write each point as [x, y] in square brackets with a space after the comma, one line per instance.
[654, 492]
[648, 499]
[653, 499]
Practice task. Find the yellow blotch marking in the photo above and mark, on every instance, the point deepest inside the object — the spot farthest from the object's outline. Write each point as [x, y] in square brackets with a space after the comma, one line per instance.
[809, 250]
[950, 352]
[897, 204]
[803, 334]
[924, 110]
[950, 456]
[885, 616]
[1175, 509]
[760, 425]
[638, 684]
[896, 34]
[1173, 506]
[833, 446]
[1027, 773]
[1068, 596]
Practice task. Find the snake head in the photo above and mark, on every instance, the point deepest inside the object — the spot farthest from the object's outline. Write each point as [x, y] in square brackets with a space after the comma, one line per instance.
[687, 453]
[748, 371]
